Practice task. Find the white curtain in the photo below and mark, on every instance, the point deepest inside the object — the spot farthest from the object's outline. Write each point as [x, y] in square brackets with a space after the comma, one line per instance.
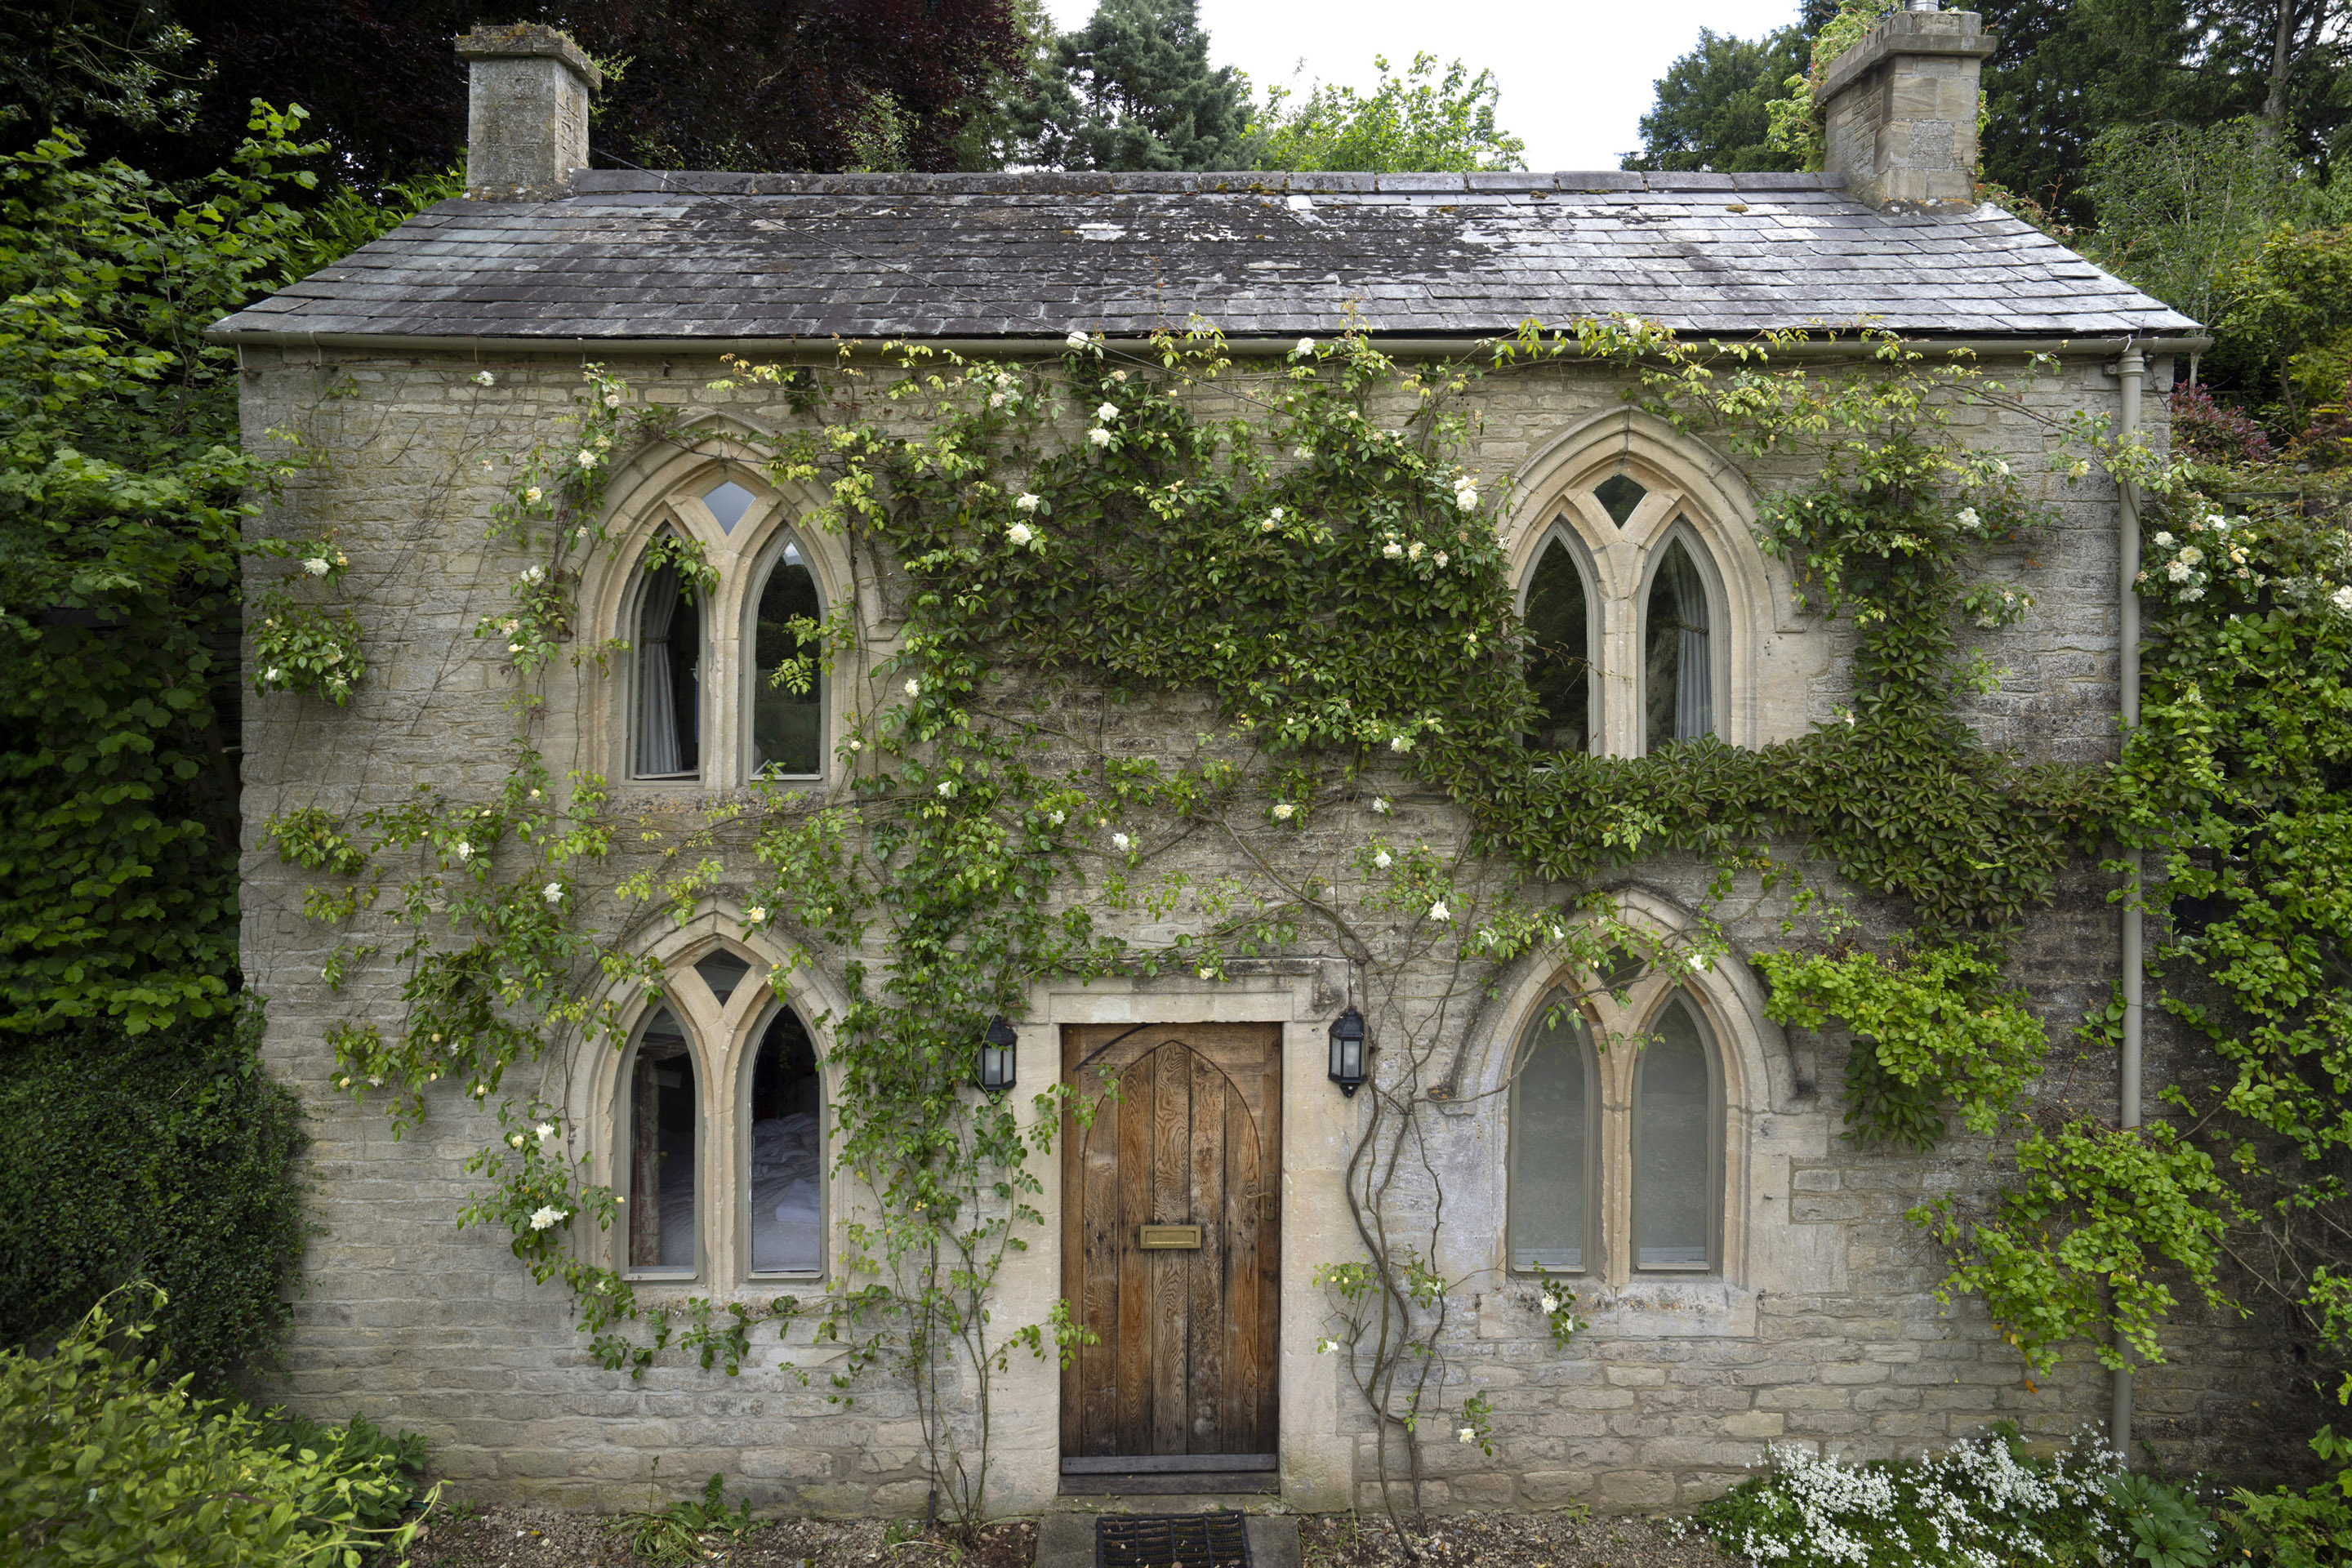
[1695, 671]
[658, 748]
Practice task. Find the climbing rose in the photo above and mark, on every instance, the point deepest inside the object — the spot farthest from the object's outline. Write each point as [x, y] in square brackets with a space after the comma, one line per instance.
[486, 379]
[1107, 413]
[1121, 840]
[1021, 533]
[1078, 338]
[1026, 502]
[544, 1130]
[547, 1215]
[1438, 911]
[317, 566]
[552, 892]
[1305, 346]
[1098, 436]
[914, 689]
[1383, 861]
[1283, 811]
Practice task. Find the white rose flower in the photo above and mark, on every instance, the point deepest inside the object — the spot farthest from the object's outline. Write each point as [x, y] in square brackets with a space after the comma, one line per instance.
[914, 689]
[1107, 413]
[1438, 911]
[1305, 346]
[514, 1140]
[1400, 743]
[533, 574]
[544, 1132]
[2192, 555]
[2218, 523]
[587, 459]
[1969, 518]
[273, 674]
[1302, 453]
[756, 914]
[1058, 817]
[1269, 525]
[2342, 599]
[484, 378]
[552, 892]
[1120, 842]
[1413, 552]
[318, 566]
[547, 1215]
[2001, 466]
[1025, 502]
[1119, 376]
[996, 400]
[1383, 859]
[947, 787]
[1440, 558]
[2164, 538]
[1392, 550]
[1380, 803]
[1325, 1347]
[1098, 436]
[1020, 533]
[1078, 338]
[2178, 571]
[612, 400]
[1284, 810]
[1550, 1303]
[1466, 497]
[1467, 1434]
[464, 850]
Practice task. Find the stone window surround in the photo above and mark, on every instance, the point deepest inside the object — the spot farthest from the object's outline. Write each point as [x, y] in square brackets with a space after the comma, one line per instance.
[663, 490]
[1696, 496]
[1729, 1002]
[724, 1042]
[1614, 1074]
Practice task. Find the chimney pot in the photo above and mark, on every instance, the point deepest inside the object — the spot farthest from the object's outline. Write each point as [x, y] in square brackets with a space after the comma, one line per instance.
[527, 109]
[1900, 111]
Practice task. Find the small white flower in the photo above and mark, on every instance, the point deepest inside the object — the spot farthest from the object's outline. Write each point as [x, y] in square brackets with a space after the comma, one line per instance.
[1206, 972]
[1119, 376]
[484, 378]
[552, 892]
[273, 674]
[1968, 518]
[2342, 599]
[1440, 558]
[1325, 1347]
[534, 573]
[1550, 1302]
[1107, 413]
[1392, 550]
[1466, 497]
[1020, 533]
[1413, 552]
[1305, 346]
[547, 1215]
[1269, 525]
[2164, 538]
[514, 647]
[1302, 453]
[514, 1140]
[1025, 502]
[2192, 555]
[464, 850]
[1380, 803]
[2219, 523]
[914, 689]
[1283, 811]
[480, 1089]
[1058, 817]
[996, 400]
[1078, 338]
[1120, 842]
[587, 459]
[544, 1132]
[1466, 1434]
[756, 914]
[2178, 571]
[1383, 859]
[1438, 911]
[318, 566]
[1400, 743]
[947, 787]
[2001, 466]
[1098, 436]
[612, 400]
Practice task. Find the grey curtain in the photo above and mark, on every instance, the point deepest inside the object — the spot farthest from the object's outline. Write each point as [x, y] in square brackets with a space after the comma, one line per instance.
[657, 747]
[1695, 671]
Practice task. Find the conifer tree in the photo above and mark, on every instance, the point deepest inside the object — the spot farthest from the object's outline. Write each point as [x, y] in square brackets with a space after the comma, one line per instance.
[1133, 89]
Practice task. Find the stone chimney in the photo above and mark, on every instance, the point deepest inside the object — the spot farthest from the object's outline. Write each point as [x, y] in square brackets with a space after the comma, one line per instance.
[527, 109]
[1900, 109]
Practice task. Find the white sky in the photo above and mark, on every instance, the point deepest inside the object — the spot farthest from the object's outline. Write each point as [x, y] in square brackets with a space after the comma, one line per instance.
[1576, 75]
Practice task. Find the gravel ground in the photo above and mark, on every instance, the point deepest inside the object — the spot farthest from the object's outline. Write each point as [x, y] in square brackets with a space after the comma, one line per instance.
[1510, 1540]
[539, 1538]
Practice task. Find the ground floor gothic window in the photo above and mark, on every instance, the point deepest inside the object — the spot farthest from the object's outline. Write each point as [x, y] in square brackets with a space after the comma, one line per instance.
[662, 1121]
[1651, 1109]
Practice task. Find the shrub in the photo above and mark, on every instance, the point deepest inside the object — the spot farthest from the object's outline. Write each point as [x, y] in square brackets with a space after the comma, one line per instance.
[2298, 1530]
[102, 1461]
[167, 1156]
[2213, 432]
[1982, 1501]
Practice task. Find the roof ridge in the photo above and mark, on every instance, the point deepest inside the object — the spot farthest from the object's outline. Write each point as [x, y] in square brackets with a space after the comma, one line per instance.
[1243, 182]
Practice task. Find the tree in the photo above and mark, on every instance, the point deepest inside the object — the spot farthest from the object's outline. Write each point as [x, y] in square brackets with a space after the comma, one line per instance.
[86, 62]
[1417, 120]
[1133, 89]
[1710, 110]
[2180, 208]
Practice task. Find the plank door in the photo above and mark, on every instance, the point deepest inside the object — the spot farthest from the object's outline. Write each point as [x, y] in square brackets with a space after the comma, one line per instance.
[1186, 1364]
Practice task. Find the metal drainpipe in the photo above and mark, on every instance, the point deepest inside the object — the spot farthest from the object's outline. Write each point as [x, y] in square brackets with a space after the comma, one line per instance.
[2129, 368]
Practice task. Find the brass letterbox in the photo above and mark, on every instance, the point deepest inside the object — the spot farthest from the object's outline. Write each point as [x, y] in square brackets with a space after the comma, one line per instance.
[1169, 1237]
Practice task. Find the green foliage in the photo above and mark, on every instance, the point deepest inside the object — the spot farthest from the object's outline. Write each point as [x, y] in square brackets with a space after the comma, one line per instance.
[1929, 1027]
[2166, 1526]
[1418, 120]
[1711, 111]
[1796, 128]
[2290, 319]
[102, 1461]
[167, 1156]
[1133, 89]
[2180, 208]
[682, 1531]
[2309, 1528]
[1981, 1500]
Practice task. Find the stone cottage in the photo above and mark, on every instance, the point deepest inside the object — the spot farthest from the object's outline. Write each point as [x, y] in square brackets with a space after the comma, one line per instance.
[1744, 1276]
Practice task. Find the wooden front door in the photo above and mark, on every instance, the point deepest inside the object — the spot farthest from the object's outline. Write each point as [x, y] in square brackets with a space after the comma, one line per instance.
[1186, 1364]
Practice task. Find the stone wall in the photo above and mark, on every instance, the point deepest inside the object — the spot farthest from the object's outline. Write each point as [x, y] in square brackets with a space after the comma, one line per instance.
[1822, 1331]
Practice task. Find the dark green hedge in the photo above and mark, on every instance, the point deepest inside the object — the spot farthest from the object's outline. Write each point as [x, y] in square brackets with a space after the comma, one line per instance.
[168, 1156]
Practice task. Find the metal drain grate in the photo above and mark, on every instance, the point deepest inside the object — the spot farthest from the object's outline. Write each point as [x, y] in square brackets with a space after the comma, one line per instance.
[1171, 1540]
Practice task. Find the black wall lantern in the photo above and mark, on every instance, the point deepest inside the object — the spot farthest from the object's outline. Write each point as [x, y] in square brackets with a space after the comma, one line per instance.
[1348, 1052]
[996, 1053]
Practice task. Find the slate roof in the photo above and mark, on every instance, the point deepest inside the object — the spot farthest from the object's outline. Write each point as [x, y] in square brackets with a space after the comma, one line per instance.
[628, 254]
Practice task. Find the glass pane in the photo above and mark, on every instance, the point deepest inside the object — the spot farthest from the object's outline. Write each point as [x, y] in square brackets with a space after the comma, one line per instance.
[1549, 1142]
[787, 1152]
[670, 679]
[1678, 674]
[1673, 1147]
[727, 503]
[662, 1180]
[1560, 661]
[1618, 495]
[787, 726]
[722, 971]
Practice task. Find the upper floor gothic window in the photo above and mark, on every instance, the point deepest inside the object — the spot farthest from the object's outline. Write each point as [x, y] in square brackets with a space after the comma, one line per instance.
[724, 682]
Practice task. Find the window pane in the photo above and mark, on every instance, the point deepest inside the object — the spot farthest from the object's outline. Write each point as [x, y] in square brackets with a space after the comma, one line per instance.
[787, 728]
[662, 1177]
[727, 503]
[1551, 1122]
[787, 1152]
[1618, 495]
[722, 971]
[669, 686]
[1673, 1146]
[1559, 663]
[1678, 679]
